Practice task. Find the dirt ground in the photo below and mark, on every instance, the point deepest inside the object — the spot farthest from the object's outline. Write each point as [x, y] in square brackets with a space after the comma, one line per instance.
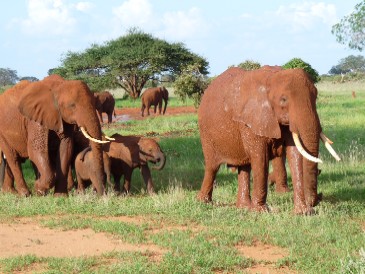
[27, 236]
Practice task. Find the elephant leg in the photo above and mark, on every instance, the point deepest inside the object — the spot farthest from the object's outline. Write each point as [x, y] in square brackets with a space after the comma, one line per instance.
[279, 175]
[80, 184]
[110, 117]
[100, 115]
[14, 172]
[142, 110]
[154, 109]
[63, 165]
[206, 190]
[260, 167]
[70, 180]
[117, 178]
[243, 194]
[146, 173]
[296, 169]
[127, 180]
[8, 184]
[160, 107]
[148, 109]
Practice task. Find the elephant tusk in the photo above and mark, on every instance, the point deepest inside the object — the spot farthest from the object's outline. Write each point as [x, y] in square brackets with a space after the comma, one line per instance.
[324, 137]
[302, 150]
[327, 143]
[109, 138]
[91, 138]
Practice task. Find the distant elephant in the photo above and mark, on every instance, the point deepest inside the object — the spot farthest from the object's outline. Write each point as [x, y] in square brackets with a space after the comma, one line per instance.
[38, 117]
[247, 118]
[154, 97]
[129, 152]
[84, 169]
[105, 102]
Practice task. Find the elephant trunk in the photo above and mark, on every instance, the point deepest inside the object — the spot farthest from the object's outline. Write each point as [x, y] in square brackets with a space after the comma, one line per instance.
[161, 160]
[309, 134]
[94, 130]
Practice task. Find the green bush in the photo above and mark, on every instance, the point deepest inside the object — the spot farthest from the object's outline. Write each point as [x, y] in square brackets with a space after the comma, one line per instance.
[299, 63]
[249, 65]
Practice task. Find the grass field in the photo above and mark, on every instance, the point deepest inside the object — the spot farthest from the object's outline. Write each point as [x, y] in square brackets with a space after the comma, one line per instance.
[205, 238]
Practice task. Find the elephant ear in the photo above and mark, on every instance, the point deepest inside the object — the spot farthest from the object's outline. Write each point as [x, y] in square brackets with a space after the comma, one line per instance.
[39, 104]
[258, 114]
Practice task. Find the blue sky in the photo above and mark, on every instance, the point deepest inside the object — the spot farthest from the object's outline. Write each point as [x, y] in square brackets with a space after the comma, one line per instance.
[35, 33]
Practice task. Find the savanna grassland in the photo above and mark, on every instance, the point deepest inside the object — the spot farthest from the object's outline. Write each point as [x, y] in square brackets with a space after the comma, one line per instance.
[191, 237]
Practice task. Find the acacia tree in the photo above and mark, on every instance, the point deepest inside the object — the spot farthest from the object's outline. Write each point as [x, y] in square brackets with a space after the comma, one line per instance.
[8, 76]
[351, 29]
[350, 63]
[129, 62]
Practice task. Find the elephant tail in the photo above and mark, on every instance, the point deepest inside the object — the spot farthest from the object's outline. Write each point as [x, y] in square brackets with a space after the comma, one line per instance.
[83, 153]
[2, 168]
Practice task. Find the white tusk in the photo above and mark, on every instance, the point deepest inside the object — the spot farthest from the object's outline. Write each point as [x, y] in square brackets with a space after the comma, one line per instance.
[109, 138]
[324, 137]
[91, 138]
[329, 147]
[302, 150]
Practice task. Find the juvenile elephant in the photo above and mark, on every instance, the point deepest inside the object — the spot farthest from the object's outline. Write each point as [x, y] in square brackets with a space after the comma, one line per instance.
[154, 97]
[39, 117]
[105, 102]
[84, 169]
[256, 115]
[129, 152]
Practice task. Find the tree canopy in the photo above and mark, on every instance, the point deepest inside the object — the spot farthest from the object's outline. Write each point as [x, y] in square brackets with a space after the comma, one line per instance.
[351, 28]
[350, 63]
[8, 76]
[129, 62]
[249, 65]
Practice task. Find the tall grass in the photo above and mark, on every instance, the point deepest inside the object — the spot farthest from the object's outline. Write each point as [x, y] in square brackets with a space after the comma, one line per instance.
[202, 238]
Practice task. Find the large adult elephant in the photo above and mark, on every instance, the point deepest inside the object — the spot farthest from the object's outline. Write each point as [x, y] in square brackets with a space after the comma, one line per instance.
[33, 116]
[247, 117]
[154, 97]
[105, 103]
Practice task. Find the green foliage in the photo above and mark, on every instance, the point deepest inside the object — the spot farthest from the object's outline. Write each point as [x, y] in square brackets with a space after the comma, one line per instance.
[29, 78]
[8, 77]
[350, 63]
[351, 28]
[129, 62]
[250, 65]
[191, 84]
[299, 63]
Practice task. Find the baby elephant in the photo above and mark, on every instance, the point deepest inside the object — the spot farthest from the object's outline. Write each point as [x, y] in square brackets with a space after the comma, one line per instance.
[154, 97]
[84, 169]
[129, 152]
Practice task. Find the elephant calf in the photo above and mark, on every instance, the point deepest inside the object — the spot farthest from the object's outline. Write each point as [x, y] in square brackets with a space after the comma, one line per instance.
[129, 152]
[84, 169]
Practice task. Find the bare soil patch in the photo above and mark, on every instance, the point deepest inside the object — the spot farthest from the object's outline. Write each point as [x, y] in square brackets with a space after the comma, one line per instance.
[25, 238]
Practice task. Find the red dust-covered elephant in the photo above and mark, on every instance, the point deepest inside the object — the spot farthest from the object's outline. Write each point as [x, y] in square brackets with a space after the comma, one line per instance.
[154, 97]
[35, 115]
[105, 103]
[247, 118]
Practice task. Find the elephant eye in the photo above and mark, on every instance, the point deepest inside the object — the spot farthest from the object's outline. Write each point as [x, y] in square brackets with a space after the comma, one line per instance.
[283, 100]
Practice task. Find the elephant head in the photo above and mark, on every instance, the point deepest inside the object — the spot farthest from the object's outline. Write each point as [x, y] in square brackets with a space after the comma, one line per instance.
[165, 96]
[285, 98]
[56, 103]
[150, 151]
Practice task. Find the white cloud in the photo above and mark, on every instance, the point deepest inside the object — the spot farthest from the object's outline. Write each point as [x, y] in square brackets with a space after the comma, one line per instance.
[51, 17]
[83, 6]
[307, 14]
[133, 13]
[181, 25]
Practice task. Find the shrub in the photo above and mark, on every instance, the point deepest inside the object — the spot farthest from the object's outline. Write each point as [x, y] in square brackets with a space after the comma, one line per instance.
[249, 65]
[299, 63]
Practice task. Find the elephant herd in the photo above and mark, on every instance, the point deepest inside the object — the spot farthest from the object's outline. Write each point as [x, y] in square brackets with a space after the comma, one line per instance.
[245, 119]
[54, 124]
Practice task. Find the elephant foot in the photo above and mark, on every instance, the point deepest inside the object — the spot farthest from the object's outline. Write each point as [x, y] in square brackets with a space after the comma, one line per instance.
[282, 188]
[307, 211]
[9, 190]
[41, 189]
[205, 198]
[244, 204]
[60, 194]
[260, 208]
[24, 192]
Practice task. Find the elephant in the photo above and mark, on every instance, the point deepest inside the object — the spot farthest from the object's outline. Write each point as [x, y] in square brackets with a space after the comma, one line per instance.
[154, 97]
[105, 102]
[39, 117]
[129, 152]
[257, 116]
[84, 169]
